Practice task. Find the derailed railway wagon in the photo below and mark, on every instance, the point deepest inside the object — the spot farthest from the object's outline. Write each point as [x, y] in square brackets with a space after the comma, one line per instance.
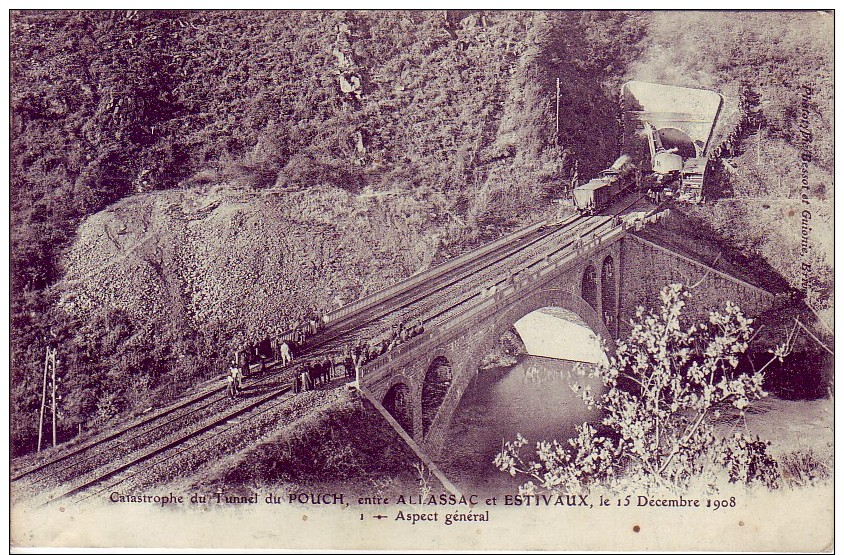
[600, 192]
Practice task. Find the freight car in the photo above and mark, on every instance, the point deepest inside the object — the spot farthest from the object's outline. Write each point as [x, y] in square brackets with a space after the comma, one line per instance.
[601, 191]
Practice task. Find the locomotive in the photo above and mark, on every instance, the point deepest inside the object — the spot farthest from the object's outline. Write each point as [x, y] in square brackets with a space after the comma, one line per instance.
[602, 190]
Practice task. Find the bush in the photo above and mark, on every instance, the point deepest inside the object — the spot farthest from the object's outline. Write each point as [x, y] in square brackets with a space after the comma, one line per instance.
[801, 468]
[663, 391]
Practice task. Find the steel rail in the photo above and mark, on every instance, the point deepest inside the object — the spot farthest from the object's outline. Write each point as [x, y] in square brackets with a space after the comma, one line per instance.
[118, 435]
[378, 363]
[156, 450]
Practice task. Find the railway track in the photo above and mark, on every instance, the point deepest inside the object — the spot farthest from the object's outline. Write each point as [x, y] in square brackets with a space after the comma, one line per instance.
[412, 291]
[132, 438]
[101, 453]
[582, 229]
[411, 304]
[117, 472]
[459, 301]
[139, 445]
[422, 303]
[96, 457]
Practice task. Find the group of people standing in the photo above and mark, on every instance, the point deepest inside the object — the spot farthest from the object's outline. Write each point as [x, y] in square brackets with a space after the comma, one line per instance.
[314, 373]
[281, 347]
[364, 351]
[655, 196]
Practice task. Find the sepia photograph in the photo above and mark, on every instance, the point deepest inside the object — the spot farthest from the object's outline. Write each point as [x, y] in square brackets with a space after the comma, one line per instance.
[469, 279]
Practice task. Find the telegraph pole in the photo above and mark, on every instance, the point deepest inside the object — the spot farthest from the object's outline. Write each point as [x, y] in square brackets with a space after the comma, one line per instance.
[557, 127]
[43, 399]
[50, 364]
[54, 394]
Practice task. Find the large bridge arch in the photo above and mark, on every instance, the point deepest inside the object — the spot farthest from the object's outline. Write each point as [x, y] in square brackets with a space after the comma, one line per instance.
[483, 340]
[542, 298]
[619, 273]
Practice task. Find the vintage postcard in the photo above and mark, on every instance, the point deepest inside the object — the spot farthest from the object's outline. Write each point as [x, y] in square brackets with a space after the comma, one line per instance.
[421, 280]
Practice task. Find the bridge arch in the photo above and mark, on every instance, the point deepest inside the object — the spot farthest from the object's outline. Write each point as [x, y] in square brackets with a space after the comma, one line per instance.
[548, 297]
[399, 403]
[589, 286]
[492, 329]
[435, 386]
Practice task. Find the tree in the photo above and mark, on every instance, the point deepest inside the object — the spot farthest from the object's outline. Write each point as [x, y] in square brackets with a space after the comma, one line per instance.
[664, 388]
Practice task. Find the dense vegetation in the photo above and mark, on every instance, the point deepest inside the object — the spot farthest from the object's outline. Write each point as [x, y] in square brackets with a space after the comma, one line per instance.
[451, 108]
[450, 115]
[664, 391]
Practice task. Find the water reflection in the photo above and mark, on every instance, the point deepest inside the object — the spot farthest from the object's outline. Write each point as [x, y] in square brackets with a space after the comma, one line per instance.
[534, 398]
[538, 370]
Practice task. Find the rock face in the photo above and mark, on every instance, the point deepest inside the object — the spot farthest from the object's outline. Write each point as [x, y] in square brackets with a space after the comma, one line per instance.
[241, 260]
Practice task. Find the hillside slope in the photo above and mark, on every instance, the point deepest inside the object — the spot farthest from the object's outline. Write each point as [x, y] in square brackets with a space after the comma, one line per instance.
[239, 259]
[780, 63]
[181, 179]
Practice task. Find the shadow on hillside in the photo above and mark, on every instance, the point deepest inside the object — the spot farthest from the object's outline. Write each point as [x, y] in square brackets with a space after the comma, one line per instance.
[693, 236]
[801, 376]
[589, 53]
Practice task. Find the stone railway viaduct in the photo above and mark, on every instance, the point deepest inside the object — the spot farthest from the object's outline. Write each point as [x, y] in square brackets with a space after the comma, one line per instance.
[602, 282]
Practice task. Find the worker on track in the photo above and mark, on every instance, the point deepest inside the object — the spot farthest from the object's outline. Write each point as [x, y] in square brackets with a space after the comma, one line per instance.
[286, 356]
[235, 376]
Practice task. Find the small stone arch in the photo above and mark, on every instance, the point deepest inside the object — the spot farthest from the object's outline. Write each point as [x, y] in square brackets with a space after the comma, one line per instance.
[589, 286]
[437, 381]
[399, 403]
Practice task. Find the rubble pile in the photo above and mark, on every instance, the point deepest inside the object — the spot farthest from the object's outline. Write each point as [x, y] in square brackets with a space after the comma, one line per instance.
[242, 261]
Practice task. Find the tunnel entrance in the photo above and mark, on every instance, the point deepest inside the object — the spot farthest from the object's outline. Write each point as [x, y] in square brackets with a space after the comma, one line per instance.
[559, 333]
[674, 138]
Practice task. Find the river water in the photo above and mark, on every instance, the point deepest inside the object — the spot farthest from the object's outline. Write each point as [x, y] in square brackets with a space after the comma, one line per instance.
[534, 398]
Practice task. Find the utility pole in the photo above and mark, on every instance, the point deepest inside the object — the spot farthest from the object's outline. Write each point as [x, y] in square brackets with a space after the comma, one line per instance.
[50, 364]
[43, 399]
[54, 363]
[557, 127]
